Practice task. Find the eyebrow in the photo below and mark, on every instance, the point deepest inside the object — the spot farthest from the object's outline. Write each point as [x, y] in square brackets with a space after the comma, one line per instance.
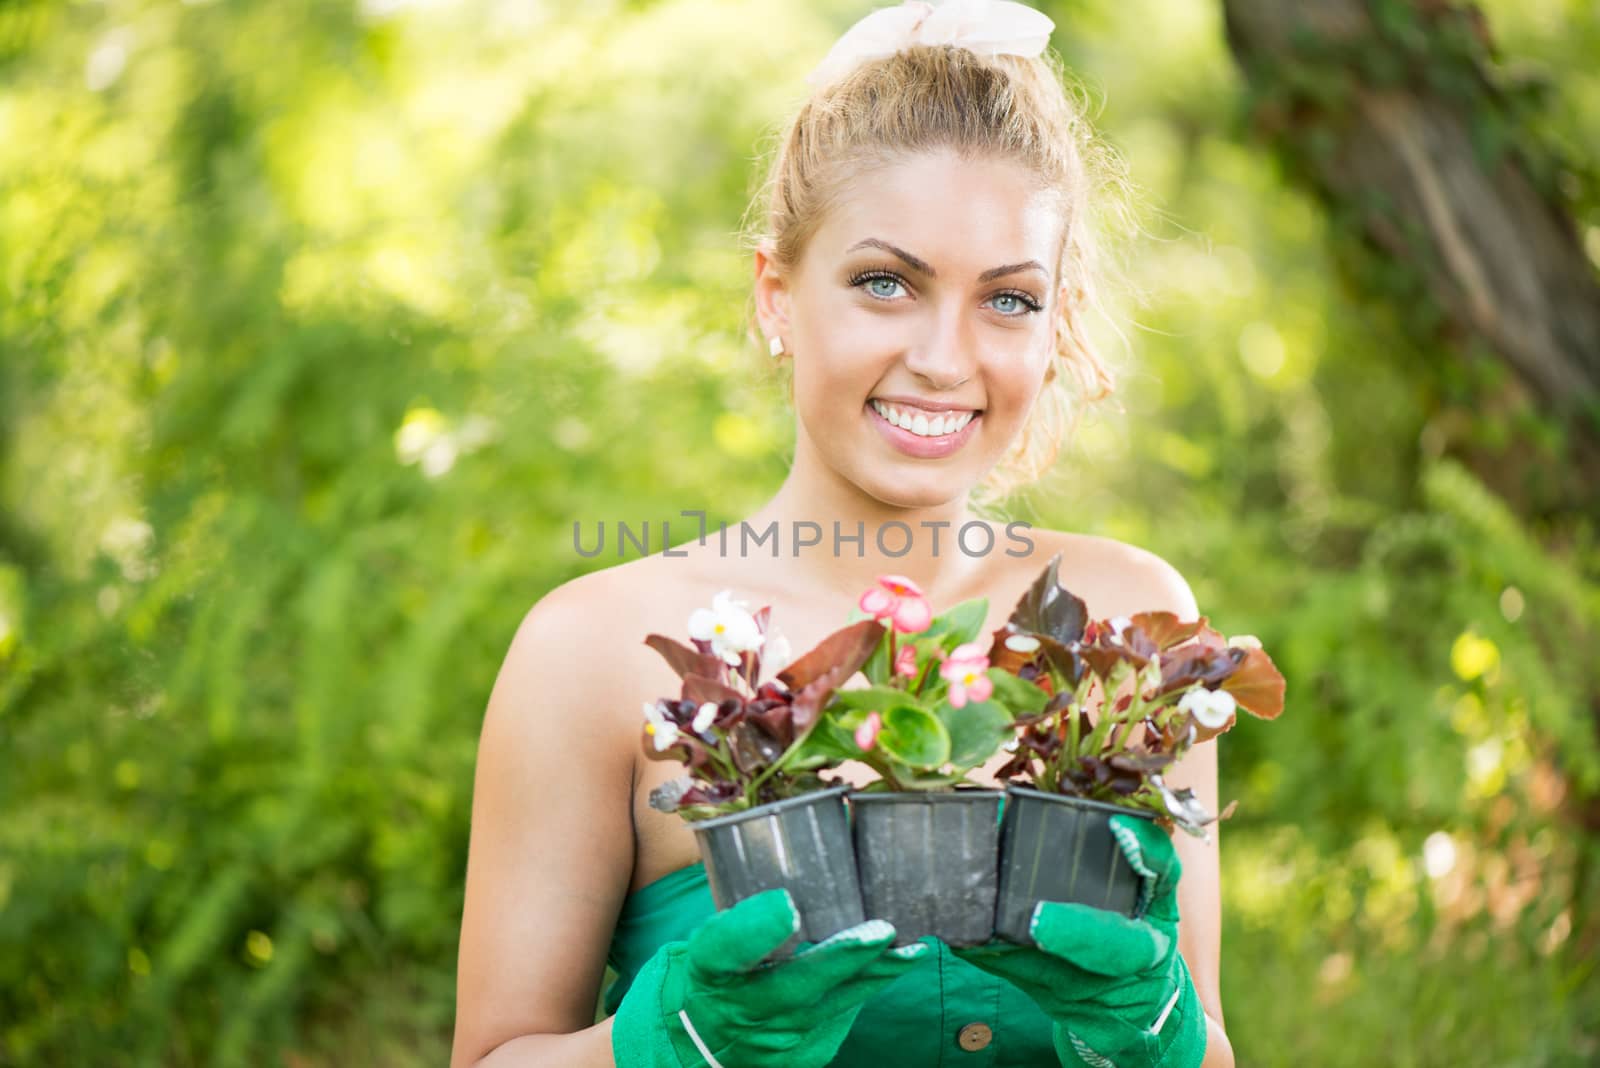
[927, 269]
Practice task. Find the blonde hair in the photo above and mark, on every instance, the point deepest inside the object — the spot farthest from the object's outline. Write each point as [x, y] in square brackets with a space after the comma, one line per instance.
[945, 97]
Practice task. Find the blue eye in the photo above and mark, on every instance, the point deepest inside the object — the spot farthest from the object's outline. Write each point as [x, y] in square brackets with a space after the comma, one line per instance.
[871, 278]
[1022, 298]
[881, 285]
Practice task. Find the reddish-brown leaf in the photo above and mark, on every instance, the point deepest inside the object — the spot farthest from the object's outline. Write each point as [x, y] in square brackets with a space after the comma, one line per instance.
[778, 721]
[1004, 658]
[1182, 668]
[1165, 629]
[1139, 644]
[682, 659]
[1048, 609]
[752, 746]
[850, 646]
[1257, 685]
[699, 689]
[1102, 659]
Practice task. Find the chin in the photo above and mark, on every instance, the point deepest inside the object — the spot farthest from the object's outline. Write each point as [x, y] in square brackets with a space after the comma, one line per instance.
[926, 490]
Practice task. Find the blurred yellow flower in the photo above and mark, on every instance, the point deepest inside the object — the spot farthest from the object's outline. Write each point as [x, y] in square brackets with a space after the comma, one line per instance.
[1472, 656]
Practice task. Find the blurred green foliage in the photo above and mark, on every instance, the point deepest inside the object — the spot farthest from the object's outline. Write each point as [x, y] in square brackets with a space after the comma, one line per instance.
[320, 325]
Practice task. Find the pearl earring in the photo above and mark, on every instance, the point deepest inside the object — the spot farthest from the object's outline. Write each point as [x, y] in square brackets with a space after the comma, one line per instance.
[775, 346]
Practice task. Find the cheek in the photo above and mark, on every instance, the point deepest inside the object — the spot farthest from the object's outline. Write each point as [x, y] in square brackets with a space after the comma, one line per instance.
[822, 384]
[1017, 380]
[844, 354]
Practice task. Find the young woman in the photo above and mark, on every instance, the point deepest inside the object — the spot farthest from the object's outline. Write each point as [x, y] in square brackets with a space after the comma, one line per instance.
[924, 262]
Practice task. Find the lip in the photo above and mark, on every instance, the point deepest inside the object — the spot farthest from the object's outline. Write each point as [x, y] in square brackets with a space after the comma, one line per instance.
[919, 447]
[927, 405]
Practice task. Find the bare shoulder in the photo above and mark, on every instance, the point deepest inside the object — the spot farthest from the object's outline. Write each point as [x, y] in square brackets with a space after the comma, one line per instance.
[566, 681]
[577, 606]
[556, 652]
[578, 665]
[576, 627]
[1118, 578]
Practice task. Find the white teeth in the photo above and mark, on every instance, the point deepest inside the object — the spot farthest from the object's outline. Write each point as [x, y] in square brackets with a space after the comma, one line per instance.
[920, 423]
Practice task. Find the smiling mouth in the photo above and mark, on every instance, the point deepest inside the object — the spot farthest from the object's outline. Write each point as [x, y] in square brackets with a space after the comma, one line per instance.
[922, 423]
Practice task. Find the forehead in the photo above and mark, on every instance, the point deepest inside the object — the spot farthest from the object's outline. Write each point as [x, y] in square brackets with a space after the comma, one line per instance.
[947, 210]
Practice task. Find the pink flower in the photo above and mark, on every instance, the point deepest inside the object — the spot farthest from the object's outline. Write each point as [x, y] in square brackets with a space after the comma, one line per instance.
[905, 661]
[965, 670]
[900, 599]
[867, 733]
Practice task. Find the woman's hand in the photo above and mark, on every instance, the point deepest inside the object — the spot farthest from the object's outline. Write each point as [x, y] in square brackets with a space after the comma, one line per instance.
[1118, 991]
[711, 1002]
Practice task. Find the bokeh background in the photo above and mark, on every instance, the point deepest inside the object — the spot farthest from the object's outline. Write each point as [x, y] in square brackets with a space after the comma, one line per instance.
[322, 322]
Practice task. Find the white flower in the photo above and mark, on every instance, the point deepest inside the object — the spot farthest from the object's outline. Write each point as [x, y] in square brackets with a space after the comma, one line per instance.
[662, 730]
[1184, 808]
[1022, 643]
[1244, 641]
[1150, 677]
[1210, 708]
[777, 654]
[728, 626]
[703, 717]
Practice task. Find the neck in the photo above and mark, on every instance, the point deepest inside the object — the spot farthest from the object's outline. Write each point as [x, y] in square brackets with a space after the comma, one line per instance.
[811, 505]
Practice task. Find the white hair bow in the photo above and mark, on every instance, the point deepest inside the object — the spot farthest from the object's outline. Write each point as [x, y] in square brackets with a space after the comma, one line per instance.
[987, 27]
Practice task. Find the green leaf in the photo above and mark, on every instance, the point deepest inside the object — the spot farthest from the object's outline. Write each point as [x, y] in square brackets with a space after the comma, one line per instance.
[828, 744]
[877, 667]
[1020, 696]
[960, 624]
[869, 698]
[914, 737]
[917, 780]
[977, 731]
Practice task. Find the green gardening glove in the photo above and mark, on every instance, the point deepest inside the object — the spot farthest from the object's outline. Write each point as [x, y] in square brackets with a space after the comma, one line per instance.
[710, 1001]
[1116, 988]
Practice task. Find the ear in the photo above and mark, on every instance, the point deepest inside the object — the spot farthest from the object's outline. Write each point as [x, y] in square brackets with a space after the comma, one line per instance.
[772, 294]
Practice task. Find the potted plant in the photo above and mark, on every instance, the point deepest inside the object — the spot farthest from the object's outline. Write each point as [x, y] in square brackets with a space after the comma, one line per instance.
[762, 814]
[925, 837]
[1161, 686]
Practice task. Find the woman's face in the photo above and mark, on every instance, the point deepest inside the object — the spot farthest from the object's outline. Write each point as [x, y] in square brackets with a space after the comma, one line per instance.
[925, 298]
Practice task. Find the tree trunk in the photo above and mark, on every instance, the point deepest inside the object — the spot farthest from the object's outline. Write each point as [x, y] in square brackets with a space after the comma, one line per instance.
[1386, 110]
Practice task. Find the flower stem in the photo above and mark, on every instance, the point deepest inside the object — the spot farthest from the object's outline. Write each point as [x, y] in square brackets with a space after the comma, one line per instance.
[884, 769]
[922, 676]
[1108, 715]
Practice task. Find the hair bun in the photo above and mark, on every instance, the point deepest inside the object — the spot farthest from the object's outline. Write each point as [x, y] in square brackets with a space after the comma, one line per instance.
[985, 27]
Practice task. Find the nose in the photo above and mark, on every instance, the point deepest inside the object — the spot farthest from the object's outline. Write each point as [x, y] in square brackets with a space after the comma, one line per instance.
[944, 356]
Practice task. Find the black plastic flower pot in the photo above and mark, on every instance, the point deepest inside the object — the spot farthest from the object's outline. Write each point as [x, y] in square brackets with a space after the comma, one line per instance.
[1059, 848]
[801, 844]
[927, 862]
